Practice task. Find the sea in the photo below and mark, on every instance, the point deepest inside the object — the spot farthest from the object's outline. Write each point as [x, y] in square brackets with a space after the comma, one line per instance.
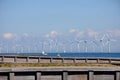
[70, 55]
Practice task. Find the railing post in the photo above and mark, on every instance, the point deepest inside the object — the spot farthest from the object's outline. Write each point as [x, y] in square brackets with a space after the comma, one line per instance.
[39, 60]
[86, 60]
[62, 60]
[91, 75]
[38, 75]
[117, 75]
[11, 76]
[15, 59]
[2, 58]
[74, 60]
[27, 59]
[51, 60]
[98, 60]
[109, 60]
[65, 75]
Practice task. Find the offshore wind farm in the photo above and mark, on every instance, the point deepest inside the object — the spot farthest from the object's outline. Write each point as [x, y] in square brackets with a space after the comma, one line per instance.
[54, 45]
[51, 45]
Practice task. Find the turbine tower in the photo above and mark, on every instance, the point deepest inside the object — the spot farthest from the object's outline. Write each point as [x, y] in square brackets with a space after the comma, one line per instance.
[71, 45]
[93, 42]
[109, 43]
[102, 43]
[56, 45]
[86, 49]
[63, 46]
[42, 47]
[78, 44]
[50, 45]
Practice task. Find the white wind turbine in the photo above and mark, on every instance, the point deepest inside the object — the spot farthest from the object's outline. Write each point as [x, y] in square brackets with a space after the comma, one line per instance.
[93, 46]
[63, 46]
[109, 42]
[43, 48]
[71, 45]
[78, 44]
[85, 42]
[50, 45]
[101, 41]
[56, 45]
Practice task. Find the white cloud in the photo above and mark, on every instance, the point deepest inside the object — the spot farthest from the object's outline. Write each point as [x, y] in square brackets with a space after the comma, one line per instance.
[84, 33]
[91, 33]
[52, 34]
[80, 34]
[72, 31]
[115, 33]
[8, 35]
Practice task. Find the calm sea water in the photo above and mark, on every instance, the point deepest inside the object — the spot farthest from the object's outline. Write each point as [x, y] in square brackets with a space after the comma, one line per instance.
[73, 55]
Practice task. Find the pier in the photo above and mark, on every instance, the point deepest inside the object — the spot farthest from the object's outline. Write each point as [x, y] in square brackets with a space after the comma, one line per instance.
[60, 73]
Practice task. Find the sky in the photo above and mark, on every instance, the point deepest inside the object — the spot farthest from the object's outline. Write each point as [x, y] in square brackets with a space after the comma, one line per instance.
[53, 17]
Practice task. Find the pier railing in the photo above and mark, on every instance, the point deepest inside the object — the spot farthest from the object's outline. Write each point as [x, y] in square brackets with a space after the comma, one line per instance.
[40, 59]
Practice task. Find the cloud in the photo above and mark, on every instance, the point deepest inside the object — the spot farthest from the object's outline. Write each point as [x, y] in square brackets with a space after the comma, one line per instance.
[72, 31]
[52, 34]
[88, 33]
[115, 33]
[91, 33]
[80, 34]
[8, 35]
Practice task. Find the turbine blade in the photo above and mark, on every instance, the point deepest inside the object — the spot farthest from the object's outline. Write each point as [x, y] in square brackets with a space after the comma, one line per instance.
[103, 37]
[107, 43]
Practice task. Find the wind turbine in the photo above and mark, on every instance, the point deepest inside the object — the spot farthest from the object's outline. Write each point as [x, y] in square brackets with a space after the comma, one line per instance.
[93, 46]
[50, 45]
[109, 43]
[63, 46]
[43, 49]
[85, 42]
[101, 42]
[71, 45]
[78, 44]
[56, 43]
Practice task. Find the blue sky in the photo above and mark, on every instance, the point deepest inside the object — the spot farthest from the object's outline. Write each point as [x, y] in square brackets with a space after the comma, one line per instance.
[42, 16]
[53, 17]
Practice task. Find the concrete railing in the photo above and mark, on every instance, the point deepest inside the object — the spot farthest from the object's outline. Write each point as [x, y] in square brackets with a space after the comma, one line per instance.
[39, 59]
[60, 73]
